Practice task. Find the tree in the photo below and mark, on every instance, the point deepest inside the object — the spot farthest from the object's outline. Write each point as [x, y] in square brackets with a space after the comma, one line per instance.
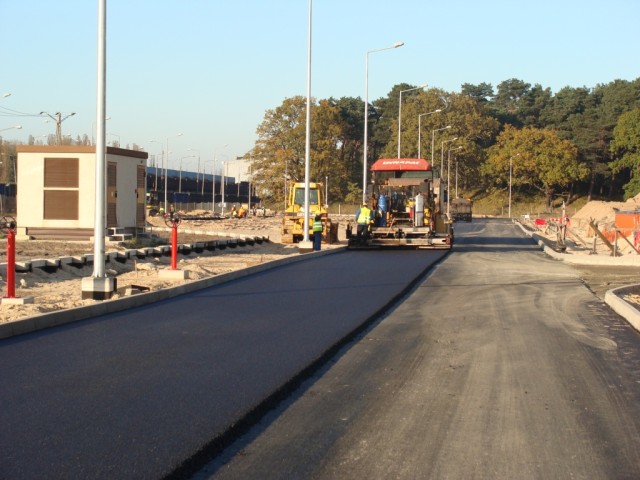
[280, 149]
[625, 148]
[536, 158]
[482, 92]
[470, 122]
[279, 152]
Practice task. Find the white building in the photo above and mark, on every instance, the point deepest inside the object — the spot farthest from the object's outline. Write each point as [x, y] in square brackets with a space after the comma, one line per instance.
[56, 195]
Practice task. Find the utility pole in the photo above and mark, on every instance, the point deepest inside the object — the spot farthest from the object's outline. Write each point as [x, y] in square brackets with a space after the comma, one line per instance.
[58, 119]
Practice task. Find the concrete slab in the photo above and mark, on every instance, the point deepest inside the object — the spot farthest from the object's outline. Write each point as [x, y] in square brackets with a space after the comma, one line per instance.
[16, 300]
[172, 274]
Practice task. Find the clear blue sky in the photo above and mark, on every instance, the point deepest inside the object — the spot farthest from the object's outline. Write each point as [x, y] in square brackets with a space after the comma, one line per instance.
[211, 68]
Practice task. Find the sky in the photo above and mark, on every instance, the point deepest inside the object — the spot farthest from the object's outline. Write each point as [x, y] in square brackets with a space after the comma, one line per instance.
[210, 69]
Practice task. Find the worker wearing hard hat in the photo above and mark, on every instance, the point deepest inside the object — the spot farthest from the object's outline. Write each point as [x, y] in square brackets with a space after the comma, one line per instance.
[363, 219]
[317, 232]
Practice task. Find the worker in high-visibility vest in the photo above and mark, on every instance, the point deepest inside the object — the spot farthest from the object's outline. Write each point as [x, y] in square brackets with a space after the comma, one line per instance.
[363, 219]
[317, 232]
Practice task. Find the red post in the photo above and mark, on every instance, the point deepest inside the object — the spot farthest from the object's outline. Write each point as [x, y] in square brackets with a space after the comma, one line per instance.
[174, 245]
[11, 264]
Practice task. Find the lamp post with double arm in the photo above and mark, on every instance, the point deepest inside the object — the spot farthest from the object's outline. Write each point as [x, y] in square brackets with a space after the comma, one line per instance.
[366, 115]
[420, 132]
[400, 112]
[433, 138]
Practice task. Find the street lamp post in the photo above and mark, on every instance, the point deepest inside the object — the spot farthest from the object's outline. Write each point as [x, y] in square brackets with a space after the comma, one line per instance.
[449, 180]
[442, 154]
[420, 132]
[165, 173]
[400, 112]
[115, 135]
[180, 173]
[58, 119]
[198, 172]
[366, 116]
[433, 137]
[156, 163]
[213, 181]
[93, 131]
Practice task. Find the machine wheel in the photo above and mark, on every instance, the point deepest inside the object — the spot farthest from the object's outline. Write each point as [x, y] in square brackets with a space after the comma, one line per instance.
[286, 238]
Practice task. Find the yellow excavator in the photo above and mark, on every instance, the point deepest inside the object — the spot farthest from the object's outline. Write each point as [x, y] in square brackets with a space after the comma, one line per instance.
[293, 221]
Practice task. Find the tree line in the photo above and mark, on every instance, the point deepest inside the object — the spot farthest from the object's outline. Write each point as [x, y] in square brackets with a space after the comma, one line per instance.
[578, 141]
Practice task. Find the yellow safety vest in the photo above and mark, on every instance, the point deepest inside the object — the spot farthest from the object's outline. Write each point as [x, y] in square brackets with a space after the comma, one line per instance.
[365, 216]
[317, 225]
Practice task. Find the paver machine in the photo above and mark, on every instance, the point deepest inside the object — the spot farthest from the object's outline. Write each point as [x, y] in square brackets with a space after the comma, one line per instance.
[409, 207]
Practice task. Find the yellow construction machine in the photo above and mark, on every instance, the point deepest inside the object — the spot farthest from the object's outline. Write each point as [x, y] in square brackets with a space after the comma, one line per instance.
[293, 220]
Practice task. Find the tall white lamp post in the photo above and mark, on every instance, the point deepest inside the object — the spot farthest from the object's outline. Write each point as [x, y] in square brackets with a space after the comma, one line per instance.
[442, 154]
[420, 132]
[433, 138]
[449, 180]
[366, 115]
[400, 112]
[305, 245]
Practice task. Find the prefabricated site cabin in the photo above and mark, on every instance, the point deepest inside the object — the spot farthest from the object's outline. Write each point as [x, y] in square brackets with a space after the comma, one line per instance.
[56, 191]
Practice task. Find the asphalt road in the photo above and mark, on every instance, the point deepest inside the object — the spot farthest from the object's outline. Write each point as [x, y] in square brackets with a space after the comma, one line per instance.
[153, 391]
[501, 364]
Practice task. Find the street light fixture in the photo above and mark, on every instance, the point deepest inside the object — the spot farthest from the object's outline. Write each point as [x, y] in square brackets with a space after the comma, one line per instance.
[433, 137]
[400, 112]
[58, 119]
[420, 132]
[17, 127]
[366, 115]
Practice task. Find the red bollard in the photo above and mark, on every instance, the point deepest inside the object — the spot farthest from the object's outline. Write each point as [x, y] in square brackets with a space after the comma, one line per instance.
[11, 264]
[174, 245]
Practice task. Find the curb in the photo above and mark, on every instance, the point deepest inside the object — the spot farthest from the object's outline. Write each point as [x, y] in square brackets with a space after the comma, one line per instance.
[70, 315]
[613, 298]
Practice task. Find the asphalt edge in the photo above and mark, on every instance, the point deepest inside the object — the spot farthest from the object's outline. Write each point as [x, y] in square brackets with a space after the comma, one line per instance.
[253, 416]
[612, 297]
[71, 315]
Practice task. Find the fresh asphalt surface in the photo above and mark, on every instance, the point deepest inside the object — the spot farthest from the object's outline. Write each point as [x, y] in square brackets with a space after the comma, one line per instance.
[151, 392]
[501, 364]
